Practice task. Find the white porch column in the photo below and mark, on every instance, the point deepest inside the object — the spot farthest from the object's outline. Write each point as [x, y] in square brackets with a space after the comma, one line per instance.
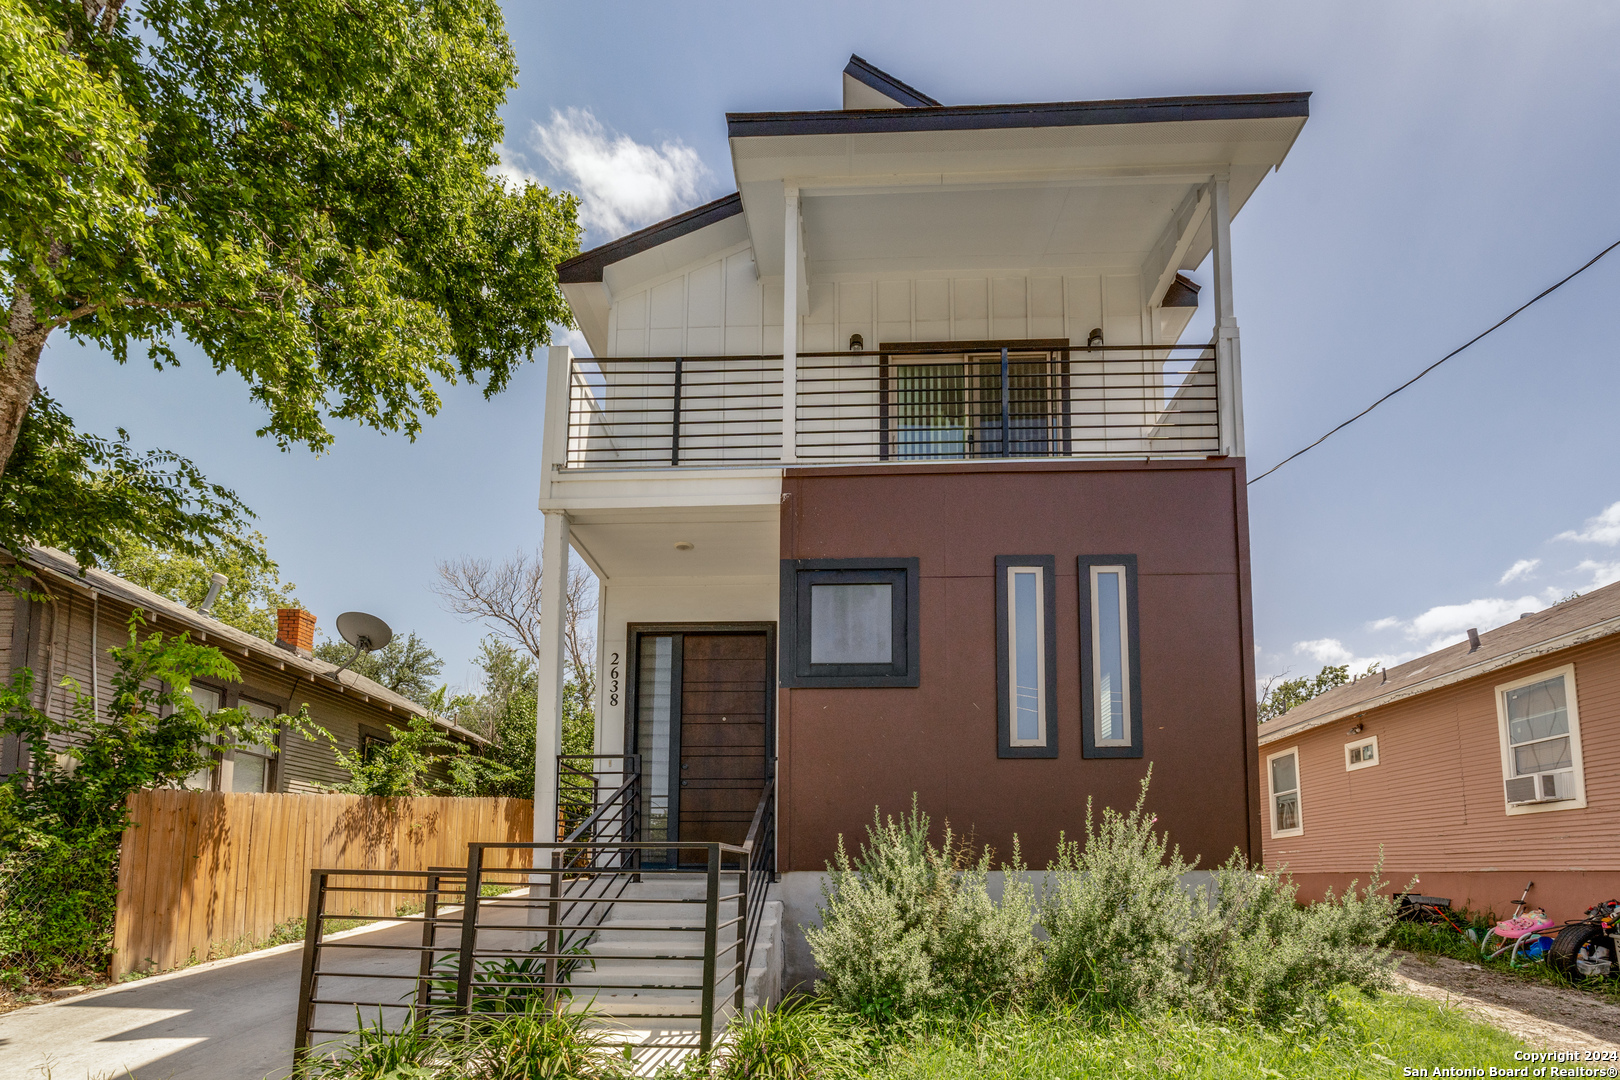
[1228, 361]
[548, 716]
[790, 327]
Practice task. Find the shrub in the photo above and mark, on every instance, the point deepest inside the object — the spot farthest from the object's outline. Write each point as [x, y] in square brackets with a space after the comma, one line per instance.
[1115, 912]
[536, 1043]
[1257, 953]
[61, 822]
[540, 1043]
[798, 1040]
[908, 925]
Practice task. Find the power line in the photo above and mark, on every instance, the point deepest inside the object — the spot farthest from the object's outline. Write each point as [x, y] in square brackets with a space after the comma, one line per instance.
[1509, 318]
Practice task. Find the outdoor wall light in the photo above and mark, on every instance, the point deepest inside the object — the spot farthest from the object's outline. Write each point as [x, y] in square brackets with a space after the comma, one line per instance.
[1356, 730]
[1095, 338]
[683, 545]
[856, 343]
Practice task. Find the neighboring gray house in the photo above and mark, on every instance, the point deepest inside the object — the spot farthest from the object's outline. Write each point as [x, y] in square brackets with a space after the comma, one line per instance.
[70, 635]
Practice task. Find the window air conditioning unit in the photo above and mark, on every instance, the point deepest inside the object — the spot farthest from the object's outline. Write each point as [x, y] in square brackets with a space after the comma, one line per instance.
[1540, 788]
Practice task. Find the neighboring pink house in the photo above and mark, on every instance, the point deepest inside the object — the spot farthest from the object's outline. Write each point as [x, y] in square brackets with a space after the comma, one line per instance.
[1477, 768]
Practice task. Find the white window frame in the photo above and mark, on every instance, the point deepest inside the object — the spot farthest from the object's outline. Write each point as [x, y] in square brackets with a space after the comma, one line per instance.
[227, 767]
[1299, 796]
[1124, 654]
[211, 772]
[1041, 630]
[1378, 755]
[1579, 801]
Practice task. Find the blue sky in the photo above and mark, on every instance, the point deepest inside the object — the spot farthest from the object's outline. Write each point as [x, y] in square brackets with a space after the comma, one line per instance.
[1460, 157]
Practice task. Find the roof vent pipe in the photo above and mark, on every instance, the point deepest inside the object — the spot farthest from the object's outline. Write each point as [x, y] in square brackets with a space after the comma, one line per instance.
[215, 584]
[1473, 639]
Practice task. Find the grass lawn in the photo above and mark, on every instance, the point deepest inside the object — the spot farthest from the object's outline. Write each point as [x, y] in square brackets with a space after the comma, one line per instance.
[1377, 1039]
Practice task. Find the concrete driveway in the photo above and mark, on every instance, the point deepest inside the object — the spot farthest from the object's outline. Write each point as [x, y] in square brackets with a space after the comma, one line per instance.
[228, 1020]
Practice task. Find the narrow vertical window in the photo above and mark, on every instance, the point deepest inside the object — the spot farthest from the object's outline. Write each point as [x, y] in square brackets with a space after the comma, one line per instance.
[656, 689]
[1111, 677]
[1029, 719]
[1026, 655]
[1284, 779]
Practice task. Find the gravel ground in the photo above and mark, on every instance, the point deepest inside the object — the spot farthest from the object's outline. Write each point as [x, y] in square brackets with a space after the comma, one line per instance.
[1550, 1017]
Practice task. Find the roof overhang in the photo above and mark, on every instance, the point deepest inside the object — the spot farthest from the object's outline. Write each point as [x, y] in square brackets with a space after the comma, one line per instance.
[591, 279]
[867, 87]
[1066, 184]
[1278, 730]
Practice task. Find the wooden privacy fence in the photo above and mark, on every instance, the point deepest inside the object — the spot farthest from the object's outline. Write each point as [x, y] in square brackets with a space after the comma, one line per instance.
[204, 872]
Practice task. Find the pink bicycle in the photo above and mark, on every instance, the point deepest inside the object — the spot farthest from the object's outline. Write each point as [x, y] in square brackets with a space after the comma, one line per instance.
[1523, 936]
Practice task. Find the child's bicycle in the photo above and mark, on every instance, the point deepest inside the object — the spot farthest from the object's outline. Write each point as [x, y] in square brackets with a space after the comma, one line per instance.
[1522, 937]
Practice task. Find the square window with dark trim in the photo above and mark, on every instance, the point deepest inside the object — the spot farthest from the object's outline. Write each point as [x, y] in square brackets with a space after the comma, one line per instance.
[1110, 670]
[1026, 656]
[849, 622]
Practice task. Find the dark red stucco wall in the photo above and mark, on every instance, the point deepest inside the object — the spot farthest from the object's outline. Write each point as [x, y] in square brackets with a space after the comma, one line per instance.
[844, 751]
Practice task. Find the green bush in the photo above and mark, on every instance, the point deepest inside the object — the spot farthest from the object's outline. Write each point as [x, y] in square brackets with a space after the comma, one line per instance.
[1116, 913]
[798, 1040]
[62, 821]
[1257, 953]
[57, 904]
[536, 1043]
[909, 926]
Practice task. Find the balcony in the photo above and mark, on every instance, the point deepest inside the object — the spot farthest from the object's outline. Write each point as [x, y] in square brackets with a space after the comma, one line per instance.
[975, 401]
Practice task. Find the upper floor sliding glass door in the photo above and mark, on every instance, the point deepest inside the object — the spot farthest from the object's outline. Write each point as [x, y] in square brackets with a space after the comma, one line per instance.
[976, 405]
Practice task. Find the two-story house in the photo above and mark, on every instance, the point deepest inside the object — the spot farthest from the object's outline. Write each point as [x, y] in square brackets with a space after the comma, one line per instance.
[898, 477]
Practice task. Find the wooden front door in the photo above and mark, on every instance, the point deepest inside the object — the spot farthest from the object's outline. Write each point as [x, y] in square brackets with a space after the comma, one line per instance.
[704, 699]
[725, 683]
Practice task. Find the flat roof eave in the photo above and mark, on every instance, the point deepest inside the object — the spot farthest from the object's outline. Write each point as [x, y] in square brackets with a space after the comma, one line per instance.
[1032, 115]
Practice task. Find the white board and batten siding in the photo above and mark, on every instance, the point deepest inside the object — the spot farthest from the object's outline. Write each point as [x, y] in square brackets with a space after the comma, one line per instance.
[719, 308]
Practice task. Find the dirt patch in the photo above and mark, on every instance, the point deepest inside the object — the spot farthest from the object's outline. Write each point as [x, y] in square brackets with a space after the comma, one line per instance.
[1553, 1017]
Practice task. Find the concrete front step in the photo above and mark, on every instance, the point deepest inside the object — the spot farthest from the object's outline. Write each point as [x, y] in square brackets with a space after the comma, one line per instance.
[656, 1037]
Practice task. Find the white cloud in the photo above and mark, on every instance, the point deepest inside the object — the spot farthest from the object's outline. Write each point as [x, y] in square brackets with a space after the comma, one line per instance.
[1603, 529]
[1522, 568]
[1603, 573]
[622, 184]
[1445, 624]
[1387, 623]
[510, 169]
[1332, 651]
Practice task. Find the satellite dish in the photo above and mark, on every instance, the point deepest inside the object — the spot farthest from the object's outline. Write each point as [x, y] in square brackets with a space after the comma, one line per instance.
[365, 632]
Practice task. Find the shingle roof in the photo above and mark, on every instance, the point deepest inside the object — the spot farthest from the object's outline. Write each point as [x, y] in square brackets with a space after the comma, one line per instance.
[1573, 622]
[63, 565]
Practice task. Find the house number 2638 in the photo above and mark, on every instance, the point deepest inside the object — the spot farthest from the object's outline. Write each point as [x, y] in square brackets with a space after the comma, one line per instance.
[613, 680]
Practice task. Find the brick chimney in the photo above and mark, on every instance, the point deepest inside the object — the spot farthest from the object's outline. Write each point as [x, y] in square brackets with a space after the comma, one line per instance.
[295, 630]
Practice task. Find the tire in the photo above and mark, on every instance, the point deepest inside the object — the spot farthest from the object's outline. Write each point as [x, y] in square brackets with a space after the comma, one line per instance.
[1567, 946]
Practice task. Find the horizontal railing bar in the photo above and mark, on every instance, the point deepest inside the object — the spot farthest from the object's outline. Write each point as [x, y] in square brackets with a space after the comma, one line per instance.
[515, 953]
[486, 986]
[607, 845]
[387, 948]
[384, 975]
[583, 926]
[1015, 350]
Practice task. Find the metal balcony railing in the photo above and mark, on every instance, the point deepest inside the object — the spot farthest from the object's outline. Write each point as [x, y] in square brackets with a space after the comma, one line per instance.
[980, 401]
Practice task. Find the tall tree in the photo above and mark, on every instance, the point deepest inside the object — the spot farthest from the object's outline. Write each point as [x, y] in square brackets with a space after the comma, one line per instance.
[300, 188]
[253, 587]
[1278, 694]
[95, 497]
[405, 665]
[506, 596]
